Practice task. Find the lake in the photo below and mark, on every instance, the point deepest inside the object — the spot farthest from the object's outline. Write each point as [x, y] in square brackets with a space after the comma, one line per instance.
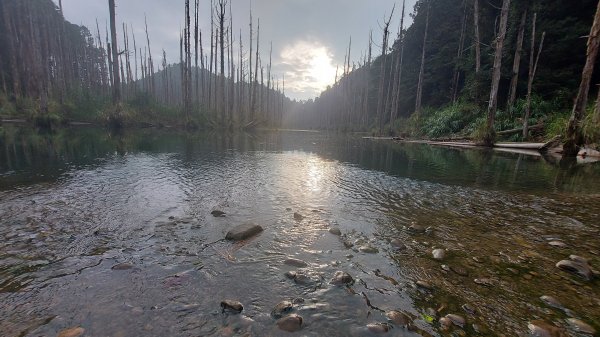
[113, 233]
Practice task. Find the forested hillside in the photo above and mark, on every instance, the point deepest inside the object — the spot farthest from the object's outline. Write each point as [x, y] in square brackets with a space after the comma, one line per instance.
[457, 57]
[52, 71]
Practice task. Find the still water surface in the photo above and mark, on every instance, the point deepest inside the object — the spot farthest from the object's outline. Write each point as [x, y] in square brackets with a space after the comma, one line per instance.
[77, 203]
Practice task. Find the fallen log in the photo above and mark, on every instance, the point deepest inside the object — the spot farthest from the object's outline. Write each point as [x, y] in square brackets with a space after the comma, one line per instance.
[519, 130]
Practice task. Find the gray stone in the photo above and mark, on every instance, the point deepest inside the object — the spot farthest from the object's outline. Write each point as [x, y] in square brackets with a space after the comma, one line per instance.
[484, 282]
[399, 318]
[341, 278]
[290, 323]
[243, 232]
[581, 326]
[558, 244]
[397, 244]
[282, 308]
[551, 301]
[217, 213]
[368, 249]
[424, 285]
[543, 329]
[298, 216]
[231, 306]
[456, 320]
[378, 328]
[295, 263]
[438, 254]
[577, 266]
[122, 266]
[335, 231]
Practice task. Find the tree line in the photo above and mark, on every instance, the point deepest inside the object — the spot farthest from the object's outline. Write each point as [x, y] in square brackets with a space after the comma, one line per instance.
[49, 66]
[468, 68]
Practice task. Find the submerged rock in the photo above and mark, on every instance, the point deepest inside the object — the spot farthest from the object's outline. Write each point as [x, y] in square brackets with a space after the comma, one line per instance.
[552, 302]
[557, 243]
[291, 274]
[424, 285]
[399, 318]
[484, 282]
[71, 332]
[282, 308]
[397, 244]
[122, 266]
[438, 254]
[368, 249]
[456, 320]
[379, 327]
[544, 329]
[417, 228]
[581, 326]
[231, 306]
[295, 263]
[243, 232]
[335, 231]
[578, 266]
[298, 216]
[341, 278]
[217, 213]
[290, 323]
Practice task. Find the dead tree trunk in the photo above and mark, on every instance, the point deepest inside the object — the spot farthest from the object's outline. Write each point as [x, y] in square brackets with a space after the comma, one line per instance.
[459, 54]
[532, 70]
[115, 54]
[512, 92]
[477, 37]
[496, 72]
[255, 84]
[422, 69]
[574, 135]
[384, 46]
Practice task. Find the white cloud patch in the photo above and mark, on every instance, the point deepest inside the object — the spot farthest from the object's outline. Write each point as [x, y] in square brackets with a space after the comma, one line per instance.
[308, 68]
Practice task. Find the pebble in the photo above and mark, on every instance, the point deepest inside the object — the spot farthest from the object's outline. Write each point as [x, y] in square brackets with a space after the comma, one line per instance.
[581, 326]
[424, 285]
[217, 213]
[399, 318]
[290, 323]
[456, 320]
[291, 274]
[122, 266]
[341, 278]
[417, 228]
[282, 308]
[438, 254]
[397, 244]
[558, 244]
[483, 282]
[335, 231]
[551, 301]
[445, 267]
[231, 306]
[460, 270]
[71, 332]
[243, 232]
[468, 309]
[298, 216]
[543, 329]
[379, 327]
[368, 249]
[295, 263]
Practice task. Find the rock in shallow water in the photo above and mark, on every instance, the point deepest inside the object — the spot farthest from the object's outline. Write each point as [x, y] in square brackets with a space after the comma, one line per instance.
[335, 231]
[379, 327]
[576, 265]
[122, 266]
[231, 306]
[341, 278]
[368, 249]
[424, 285]
[298, 216]
[217, 213]
[398, 317]
[456, 320]
[290, 323]
[544, 329]
[581, 326]
[282, 308]
[71, 332]
[295, 263]
[243, 232]
[551, 301]
[397, 244]
[438, 254]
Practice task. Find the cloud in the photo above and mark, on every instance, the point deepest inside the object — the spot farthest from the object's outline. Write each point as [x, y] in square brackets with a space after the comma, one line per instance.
[308, 68]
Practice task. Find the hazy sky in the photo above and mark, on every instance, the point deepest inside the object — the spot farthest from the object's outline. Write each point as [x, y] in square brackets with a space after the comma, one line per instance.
[310, 37]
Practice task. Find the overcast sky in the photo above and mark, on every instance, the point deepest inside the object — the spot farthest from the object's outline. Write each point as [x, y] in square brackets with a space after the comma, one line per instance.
[310, 37]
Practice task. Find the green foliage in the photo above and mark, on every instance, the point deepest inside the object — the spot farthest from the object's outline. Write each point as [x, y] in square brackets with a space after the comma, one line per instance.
[450, 120]
[591, 127]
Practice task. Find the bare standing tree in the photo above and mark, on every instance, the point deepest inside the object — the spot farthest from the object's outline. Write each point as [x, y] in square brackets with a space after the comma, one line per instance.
[477, 36]
[517, 63]
[532, 70]
[422, 68]
[384, 47]
[115, 54]
[496, 72]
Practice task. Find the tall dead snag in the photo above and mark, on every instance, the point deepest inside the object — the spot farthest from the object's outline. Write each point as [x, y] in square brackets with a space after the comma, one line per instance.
[197, 78]
[367, 82]
[250, 80]
[532, 70]
[221, 7]
[212, 50]
[512, 92]
[398, 71]
[496, 72]
[255, 85]
[422, 69]
[150, 62]
[477, 36]
[459, 54]
[384, 47]
[115, 54]
[574, 135]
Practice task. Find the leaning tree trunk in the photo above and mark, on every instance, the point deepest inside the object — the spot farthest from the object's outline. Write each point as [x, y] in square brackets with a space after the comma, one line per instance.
[422, 69]
[532, 70]
[574, 135]
[517, 63]
[496, 72]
